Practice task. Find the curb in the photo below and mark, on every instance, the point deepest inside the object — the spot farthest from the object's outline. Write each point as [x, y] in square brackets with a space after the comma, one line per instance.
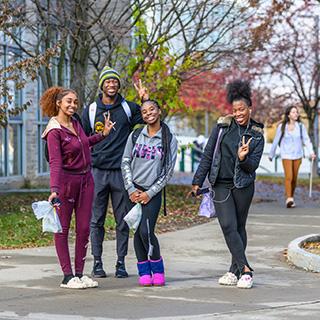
[9, 191]
[301, 258]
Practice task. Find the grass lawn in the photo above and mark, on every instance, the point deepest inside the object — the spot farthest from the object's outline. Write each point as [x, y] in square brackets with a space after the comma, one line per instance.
[20, 229]
[279, 180]
[19, 226]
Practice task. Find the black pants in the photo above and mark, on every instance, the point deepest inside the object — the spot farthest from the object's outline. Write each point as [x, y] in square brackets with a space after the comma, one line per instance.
[232, 215]
[109, 183]
[144, 235]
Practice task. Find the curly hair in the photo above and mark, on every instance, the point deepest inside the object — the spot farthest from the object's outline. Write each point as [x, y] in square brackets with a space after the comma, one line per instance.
[48, 101]
[239, 90]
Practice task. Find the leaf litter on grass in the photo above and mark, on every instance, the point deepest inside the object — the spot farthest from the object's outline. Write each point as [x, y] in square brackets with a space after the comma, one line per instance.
[21, 229]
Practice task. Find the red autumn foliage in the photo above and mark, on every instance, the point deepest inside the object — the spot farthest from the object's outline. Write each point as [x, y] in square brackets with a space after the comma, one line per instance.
[207, 90]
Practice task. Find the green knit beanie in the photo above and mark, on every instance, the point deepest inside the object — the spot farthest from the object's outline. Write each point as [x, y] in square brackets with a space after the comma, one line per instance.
[108, 73]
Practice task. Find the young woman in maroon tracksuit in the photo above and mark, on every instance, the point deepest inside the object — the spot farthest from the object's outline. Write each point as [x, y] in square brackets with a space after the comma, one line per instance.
[70, 178]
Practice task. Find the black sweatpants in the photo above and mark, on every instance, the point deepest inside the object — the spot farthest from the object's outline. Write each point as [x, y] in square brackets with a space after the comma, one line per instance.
[109, 183]
[232, 215]
[144, 235]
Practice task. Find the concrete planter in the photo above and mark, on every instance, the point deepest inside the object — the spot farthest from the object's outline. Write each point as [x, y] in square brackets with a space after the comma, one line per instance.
[302, 258]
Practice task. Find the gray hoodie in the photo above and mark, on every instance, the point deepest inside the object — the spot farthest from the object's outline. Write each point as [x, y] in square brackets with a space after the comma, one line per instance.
[142, 165]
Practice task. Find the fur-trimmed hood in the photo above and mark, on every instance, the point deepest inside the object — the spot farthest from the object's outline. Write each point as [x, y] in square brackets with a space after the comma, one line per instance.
[227, 120]
[52, 124]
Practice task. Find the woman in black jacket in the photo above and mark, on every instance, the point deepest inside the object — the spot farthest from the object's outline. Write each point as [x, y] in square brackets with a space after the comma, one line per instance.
[231, 174]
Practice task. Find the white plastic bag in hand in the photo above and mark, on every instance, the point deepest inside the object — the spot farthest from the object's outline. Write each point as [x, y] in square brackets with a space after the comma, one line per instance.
[133, 217]
[41, 209]
[50, 220]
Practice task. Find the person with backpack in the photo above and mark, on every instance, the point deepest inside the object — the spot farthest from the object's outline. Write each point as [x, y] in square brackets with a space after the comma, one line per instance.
[291, 137]
[71, 181]
[236, 144]
[106, 162]
[147, 165]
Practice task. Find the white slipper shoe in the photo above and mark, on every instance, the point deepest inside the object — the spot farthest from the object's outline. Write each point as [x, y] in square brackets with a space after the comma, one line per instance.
[245, 282]
[89, 282]
[228, 279]
[74, 283]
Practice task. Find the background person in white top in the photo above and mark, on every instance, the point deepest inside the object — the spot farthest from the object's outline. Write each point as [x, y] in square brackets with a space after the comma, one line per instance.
[291, 137]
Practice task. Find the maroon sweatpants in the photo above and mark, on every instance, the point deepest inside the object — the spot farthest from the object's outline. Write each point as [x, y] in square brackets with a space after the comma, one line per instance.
[77, 196]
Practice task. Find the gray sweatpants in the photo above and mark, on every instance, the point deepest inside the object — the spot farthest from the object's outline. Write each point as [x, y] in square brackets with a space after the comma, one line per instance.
[109, 183]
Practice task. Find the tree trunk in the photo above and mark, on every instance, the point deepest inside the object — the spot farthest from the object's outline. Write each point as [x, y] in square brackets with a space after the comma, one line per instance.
[80, 46]
[311, 131]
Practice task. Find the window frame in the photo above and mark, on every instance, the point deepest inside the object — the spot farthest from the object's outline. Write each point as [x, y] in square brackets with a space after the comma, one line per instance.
[12, 121]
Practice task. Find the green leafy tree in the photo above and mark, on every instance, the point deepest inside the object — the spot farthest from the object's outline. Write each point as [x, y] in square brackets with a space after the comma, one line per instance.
[159, 74]
[180, 40]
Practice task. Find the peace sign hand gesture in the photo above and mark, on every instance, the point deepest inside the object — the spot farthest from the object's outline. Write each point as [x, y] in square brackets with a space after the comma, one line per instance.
[108, 124]
[243, 149]
[141, 90]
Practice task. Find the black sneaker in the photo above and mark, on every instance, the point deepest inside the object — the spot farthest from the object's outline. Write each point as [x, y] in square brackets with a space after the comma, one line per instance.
[97, 271]
[121, 270]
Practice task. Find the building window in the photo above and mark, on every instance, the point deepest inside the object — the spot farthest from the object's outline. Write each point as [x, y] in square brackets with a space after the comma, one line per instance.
[43, 165]
[14, 150]
[11, 137]
[11, 149]
[2, 152]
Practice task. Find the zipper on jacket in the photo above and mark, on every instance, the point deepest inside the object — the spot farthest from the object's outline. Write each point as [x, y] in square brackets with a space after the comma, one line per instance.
[81, 144]
[82, 150]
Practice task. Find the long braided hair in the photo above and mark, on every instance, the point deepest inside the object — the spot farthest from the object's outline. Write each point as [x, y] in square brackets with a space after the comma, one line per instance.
[165, 137]
[166, 159]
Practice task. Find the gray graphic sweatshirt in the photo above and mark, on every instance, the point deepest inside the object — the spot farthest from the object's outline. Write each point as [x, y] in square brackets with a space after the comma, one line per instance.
[142, 165]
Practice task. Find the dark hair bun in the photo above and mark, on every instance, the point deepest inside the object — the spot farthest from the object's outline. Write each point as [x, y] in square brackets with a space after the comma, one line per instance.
[239, 90]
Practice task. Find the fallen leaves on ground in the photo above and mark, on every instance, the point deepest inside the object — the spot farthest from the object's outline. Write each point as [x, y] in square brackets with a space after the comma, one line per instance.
[312, 246]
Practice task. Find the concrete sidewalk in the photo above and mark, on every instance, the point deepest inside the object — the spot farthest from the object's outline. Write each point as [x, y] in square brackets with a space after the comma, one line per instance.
[194, 260]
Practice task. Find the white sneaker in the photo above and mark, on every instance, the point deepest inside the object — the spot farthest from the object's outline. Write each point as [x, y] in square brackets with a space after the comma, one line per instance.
[74, 283]
[89, 282]
[245, 282]
[290, 202]
[228, 279]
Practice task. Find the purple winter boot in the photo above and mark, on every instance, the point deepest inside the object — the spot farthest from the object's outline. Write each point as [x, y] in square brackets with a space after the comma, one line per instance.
[144, 270]
[157, 269]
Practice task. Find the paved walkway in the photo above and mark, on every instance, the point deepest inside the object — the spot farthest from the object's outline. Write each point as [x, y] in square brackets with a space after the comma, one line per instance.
[194, 259]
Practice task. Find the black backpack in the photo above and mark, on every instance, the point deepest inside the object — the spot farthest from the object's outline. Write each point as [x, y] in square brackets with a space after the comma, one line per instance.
[46, 150]
[134, 137]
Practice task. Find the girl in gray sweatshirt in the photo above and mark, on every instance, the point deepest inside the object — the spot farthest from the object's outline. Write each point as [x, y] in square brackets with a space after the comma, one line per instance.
[147, 165]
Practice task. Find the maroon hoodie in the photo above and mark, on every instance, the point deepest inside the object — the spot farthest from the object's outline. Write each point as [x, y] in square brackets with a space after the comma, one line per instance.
[68, 152]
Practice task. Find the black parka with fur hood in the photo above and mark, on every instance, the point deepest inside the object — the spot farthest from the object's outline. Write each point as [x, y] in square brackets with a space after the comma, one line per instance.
[244, 172]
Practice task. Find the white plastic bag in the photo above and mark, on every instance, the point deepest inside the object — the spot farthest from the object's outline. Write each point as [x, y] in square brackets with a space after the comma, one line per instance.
[133, 217]
[50, 219]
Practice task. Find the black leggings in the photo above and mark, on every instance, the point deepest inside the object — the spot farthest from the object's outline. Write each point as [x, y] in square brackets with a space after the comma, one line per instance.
[144, 233]
[232, 215]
